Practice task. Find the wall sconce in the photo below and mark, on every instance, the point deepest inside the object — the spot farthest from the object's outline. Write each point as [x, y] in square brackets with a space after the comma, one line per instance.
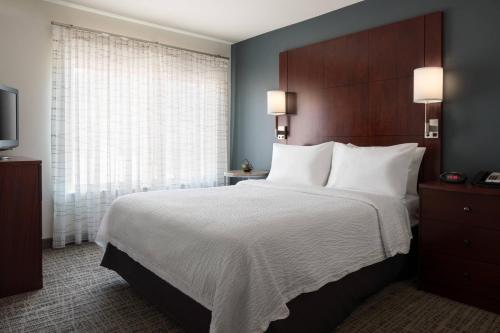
[276, 106]
[428, 88]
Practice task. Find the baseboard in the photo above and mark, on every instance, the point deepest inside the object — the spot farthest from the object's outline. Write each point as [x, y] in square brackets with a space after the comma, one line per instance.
[46, 243]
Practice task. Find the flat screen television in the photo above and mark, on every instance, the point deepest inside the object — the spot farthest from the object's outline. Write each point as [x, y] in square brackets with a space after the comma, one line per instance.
[9, 123]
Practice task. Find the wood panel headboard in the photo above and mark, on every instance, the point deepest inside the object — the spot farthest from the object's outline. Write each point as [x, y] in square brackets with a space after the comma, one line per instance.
[359, 88]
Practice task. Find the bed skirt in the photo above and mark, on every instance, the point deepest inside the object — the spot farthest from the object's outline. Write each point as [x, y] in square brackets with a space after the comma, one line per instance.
[318, 311]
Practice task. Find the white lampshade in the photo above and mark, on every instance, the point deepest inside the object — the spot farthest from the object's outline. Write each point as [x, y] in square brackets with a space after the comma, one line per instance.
[276, 102]
[428, 85]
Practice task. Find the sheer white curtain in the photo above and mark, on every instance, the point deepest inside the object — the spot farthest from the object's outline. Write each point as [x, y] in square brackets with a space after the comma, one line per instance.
[130, 116]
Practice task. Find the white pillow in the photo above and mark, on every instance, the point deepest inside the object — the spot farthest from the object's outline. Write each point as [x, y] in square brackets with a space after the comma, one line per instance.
[301, 165]
[413, 170]
[380, 170]
[411, 184]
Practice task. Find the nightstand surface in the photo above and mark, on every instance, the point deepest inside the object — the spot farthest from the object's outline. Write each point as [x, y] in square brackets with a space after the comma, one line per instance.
[243, 174]
[464, 188]
[459, 243]
[239, 174]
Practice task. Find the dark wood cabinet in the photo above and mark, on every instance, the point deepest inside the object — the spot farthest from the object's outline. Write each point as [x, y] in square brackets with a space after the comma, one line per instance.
[460, 243]
[20, 226]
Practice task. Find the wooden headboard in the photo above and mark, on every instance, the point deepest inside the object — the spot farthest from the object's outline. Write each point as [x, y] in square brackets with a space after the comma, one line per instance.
[359, 88]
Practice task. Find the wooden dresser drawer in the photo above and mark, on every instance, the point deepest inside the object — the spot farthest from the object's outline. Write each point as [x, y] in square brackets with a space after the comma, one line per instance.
[459, 243]
[452, 273]
[477, 209]
[460, 240]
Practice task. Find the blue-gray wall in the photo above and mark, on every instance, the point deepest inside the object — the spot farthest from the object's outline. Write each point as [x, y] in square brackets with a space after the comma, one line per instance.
[472, 76]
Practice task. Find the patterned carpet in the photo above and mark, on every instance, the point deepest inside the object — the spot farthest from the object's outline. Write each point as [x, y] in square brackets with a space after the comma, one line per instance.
[81, 296]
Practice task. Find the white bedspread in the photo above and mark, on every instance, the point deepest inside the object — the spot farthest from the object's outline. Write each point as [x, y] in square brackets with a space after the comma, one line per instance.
[244, 251]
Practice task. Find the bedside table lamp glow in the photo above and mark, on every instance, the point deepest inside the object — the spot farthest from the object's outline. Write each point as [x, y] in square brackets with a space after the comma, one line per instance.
[276, 106]
[428, 88]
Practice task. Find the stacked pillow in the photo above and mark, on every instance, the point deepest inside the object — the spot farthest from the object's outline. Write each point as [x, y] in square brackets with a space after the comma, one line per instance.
[301, 165]
[381, 170]
[411, 184]
[391, 171]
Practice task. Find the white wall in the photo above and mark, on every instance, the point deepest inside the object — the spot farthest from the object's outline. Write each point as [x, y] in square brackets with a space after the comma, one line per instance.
[25, 53]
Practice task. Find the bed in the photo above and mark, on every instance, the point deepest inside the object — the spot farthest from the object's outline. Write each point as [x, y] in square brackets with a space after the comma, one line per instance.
[244, 252]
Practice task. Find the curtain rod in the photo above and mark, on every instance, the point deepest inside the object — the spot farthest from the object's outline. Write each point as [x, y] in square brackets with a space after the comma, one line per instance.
[136, 39]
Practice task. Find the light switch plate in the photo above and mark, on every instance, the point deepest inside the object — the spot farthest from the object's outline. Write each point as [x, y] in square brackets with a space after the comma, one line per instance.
[282, 132]
[433, 129]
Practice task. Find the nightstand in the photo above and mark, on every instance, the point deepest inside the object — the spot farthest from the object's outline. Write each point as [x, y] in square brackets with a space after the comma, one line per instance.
[459, 243]
[241, 175]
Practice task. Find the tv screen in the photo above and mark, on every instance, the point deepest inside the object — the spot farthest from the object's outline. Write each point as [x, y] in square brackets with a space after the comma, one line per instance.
[8, 118]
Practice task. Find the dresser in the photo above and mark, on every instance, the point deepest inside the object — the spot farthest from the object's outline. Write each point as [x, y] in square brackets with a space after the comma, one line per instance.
[459, 243]
[20, 226]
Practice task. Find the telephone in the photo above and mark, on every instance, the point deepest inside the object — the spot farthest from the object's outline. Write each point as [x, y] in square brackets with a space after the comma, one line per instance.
[487, 179]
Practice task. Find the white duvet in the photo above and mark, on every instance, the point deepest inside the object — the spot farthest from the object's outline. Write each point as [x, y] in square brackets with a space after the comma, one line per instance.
[244, 251]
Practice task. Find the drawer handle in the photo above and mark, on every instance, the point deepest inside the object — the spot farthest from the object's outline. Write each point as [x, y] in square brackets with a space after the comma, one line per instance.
[467, 209]
[467, 242]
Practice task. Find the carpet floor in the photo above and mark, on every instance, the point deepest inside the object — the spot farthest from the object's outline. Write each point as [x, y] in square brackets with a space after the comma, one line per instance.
[81, 296]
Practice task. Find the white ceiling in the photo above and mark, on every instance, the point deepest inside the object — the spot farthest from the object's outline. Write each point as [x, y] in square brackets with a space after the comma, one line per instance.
[224, 20]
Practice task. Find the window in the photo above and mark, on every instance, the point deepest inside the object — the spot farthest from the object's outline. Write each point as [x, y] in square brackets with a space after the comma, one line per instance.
[130, 116]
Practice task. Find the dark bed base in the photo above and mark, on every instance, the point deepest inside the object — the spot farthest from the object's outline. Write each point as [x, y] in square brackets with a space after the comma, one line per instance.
[319, 311]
